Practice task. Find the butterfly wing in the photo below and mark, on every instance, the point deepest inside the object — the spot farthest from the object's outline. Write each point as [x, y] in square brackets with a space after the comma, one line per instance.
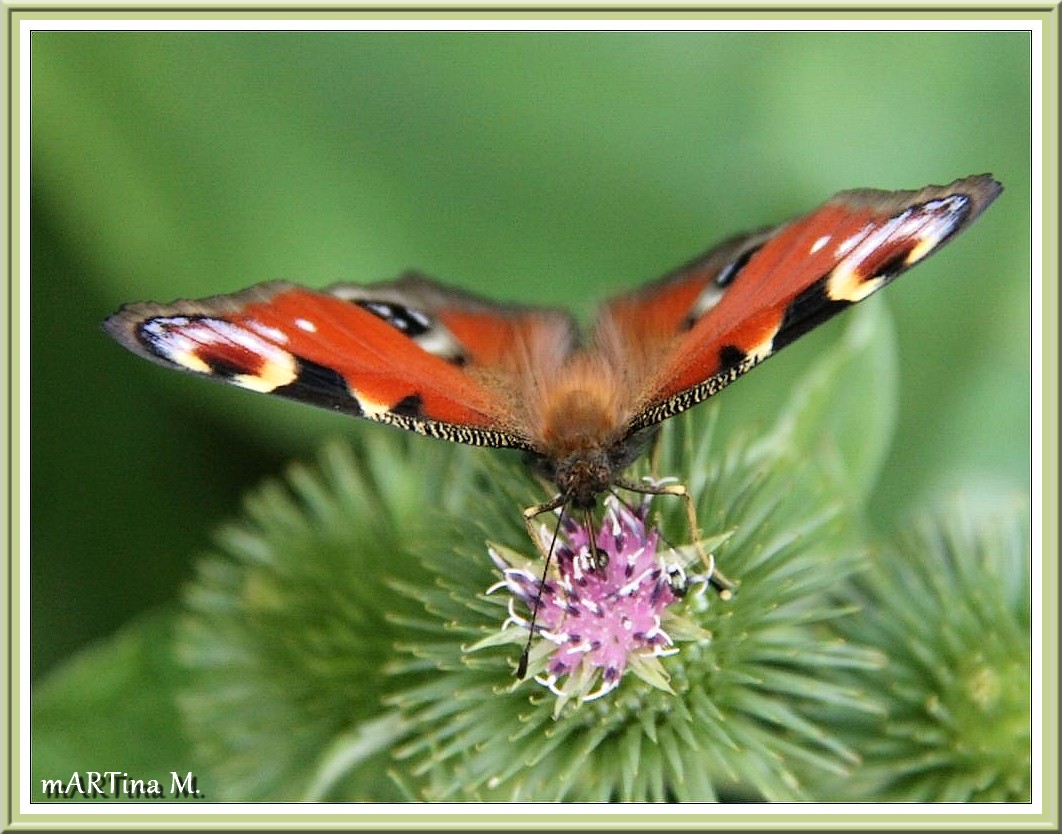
[409, 352]
[721, 315]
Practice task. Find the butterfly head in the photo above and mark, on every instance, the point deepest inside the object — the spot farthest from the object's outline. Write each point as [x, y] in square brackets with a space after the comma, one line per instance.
[583, 476]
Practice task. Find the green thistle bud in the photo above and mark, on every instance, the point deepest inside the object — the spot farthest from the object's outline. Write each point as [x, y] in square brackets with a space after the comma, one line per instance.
[949, 608]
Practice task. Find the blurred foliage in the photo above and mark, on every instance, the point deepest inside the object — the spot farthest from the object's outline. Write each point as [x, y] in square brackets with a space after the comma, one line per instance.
[543, 167]
[114, 706]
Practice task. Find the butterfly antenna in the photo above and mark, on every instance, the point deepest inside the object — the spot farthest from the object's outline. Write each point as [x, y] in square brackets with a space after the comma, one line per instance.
[521, 667]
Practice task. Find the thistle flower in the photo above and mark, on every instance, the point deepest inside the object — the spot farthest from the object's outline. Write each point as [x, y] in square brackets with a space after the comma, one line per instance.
[601, 620]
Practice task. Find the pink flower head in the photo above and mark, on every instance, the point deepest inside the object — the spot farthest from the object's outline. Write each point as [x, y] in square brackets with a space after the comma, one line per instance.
[600, 620]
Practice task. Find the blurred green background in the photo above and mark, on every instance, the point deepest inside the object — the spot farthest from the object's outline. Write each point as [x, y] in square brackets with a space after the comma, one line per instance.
[555, 168]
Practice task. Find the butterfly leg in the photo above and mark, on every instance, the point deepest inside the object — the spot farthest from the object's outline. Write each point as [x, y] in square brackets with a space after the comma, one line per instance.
[716, 579]
[531, 513]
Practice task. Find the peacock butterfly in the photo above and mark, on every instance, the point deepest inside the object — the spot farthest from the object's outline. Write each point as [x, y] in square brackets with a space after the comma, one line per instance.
[451, 365]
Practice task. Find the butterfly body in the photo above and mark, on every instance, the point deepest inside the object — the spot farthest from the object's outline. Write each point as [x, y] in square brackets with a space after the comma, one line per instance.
[447, 364]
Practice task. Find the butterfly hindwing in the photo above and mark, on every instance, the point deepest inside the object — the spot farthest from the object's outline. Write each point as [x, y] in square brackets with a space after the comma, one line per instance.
[411, 352]
[751, 297]
[462, 327]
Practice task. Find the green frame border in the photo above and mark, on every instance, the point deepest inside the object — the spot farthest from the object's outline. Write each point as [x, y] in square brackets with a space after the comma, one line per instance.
[523, 817]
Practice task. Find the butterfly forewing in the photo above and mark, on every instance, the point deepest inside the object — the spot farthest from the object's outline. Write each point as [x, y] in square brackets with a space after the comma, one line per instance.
[783, 283]
[409, 352]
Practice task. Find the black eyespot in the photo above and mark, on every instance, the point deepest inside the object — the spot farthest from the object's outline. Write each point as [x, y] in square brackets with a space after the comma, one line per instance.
[729, 272]
[893, 266]
[406, 320]
[320, 386]
[807, 311]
